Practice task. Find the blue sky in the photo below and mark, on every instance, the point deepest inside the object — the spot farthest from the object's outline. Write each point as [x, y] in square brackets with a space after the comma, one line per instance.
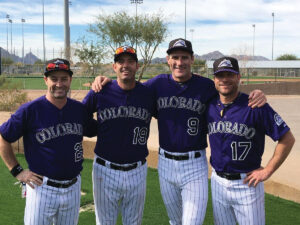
[226, 26]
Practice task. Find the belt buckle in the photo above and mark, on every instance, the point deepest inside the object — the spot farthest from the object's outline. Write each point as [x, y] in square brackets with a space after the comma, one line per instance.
[197, 155]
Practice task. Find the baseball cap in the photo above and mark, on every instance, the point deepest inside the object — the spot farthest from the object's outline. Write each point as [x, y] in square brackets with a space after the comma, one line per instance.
[125, 50]
[181, 44]
[229, 64]
[57, 65]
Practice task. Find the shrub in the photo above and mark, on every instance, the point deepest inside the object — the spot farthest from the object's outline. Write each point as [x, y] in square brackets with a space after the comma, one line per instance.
[10, 97]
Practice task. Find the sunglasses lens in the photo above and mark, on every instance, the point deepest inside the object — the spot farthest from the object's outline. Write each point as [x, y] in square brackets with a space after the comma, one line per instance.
[52, 66]
[63, 66]
[125, 49]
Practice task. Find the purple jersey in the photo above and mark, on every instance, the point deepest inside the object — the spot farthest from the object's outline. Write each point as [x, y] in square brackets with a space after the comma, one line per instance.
[52, 137]
[237, 134]
[123, 121]
[181, 111]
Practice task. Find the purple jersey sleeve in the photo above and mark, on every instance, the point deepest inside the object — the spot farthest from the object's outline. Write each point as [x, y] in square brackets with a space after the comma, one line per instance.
[181, 111]
[237, 134]
[52, 137]
[123, 121]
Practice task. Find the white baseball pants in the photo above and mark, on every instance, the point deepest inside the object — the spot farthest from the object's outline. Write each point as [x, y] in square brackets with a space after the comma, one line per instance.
[47, 205]
[235, 202]
[116, 190]
[184, 187]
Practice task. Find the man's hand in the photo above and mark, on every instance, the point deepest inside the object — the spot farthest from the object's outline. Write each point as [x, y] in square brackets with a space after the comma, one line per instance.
[99, 82]
[256, 176]
[30, 178]
[257, 99]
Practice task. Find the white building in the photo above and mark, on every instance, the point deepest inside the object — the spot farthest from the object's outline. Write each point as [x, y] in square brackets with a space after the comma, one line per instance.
[280, 68]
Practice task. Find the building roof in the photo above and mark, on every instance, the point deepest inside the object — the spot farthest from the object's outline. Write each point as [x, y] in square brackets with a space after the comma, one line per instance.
[264, 64]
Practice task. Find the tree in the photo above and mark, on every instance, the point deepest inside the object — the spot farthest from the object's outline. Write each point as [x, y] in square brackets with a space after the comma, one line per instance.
[146, 31]
[198, 66]
[6, 61]
[90, 53]
[287, 57]
[38, 62]
[199, 62]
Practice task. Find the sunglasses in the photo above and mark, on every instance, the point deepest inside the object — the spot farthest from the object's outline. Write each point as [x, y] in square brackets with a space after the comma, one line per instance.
[125, 49]
[53, 66]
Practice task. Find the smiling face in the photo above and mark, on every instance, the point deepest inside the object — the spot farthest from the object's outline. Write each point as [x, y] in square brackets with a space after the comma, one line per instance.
[227, 84]
[58, 83]
[180, 63]
[126, 67]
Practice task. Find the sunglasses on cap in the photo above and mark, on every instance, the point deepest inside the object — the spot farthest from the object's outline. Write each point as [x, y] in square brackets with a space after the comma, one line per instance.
[125, 49]
[53, 66]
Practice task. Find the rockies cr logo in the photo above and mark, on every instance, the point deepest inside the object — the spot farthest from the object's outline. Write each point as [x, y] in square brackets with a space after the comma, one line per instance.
[78, 152]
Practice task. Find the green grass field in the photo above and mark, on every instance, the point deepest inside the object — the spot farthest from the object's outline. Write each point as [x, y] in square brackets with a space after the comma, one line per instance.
[37, 83]
[278, 211]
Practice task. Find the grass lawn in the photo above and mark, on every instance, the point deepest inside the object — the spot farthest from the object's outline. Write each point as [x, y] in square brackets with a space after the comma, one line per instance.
[37, 83]
[278, 211]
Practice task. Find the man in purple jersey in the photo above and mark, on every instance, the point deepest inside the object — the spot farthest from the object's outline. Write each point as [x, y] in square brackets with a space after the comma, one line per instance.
[124, 109]
[52, 128]
[237, 137]
[181, 99]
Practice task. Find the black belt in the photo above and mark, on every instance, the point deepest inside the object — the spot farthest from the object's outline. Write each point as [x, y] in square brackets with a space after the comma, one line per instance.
[181, 157]
[229, 176]
[118, 167]
[62, 185]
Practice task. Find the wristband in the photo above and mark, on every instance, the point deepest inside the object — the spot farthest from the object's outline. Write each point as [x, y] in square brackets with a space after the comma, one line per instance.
[16, 170]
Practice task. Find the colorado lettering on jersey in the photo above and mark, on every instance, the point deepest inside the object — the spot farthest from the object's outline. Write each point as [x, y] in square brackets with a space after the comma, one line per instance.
[231, 128]
[181, 103]
[59, 130]
[124, 112]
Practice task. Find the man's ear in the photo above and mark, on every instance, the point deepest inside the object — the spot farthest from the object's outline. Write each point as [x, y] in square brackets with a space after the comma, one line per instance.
[45, 79]
[168, 58]
[193, 59]
[114, 66]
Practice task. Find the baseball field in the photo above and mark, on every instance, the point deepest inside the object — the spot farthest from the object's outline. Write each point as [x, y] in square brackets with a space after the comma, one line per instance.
[284, 183]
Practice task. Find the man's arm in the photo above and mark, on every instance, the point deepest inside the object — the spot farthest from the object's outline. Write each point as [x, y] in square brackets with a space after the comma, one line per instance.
[257, 99]
[99, 83]
[282, 150]
[9, 158]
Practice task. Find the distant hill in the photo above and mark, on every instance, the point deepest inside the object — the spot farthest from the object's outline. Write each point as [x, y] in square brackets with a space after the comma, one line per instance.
[215, 55]
[209, 56]
[29, 58]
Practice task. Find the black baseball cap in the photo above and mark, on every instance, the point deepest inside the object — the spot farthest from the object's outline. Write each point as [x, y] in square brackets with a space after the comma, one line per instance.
[181, 44]
[226, 63]
[125, 50]
[57, 65]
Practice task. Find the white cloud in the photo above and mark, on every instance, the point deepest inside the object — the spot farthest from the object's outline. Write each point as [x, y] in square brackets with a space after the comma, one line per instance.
[217, 24]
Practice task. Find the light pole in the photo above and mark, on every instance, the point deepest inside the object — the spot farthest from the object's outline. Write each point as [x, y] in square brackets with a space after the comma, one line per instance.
[253, 25]
[23, 21]
[67, 30]
[192, 31]
[10, 21]
[273, 34]
[136, 2]
[184, 19]
[44, 49]
[7, 17]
